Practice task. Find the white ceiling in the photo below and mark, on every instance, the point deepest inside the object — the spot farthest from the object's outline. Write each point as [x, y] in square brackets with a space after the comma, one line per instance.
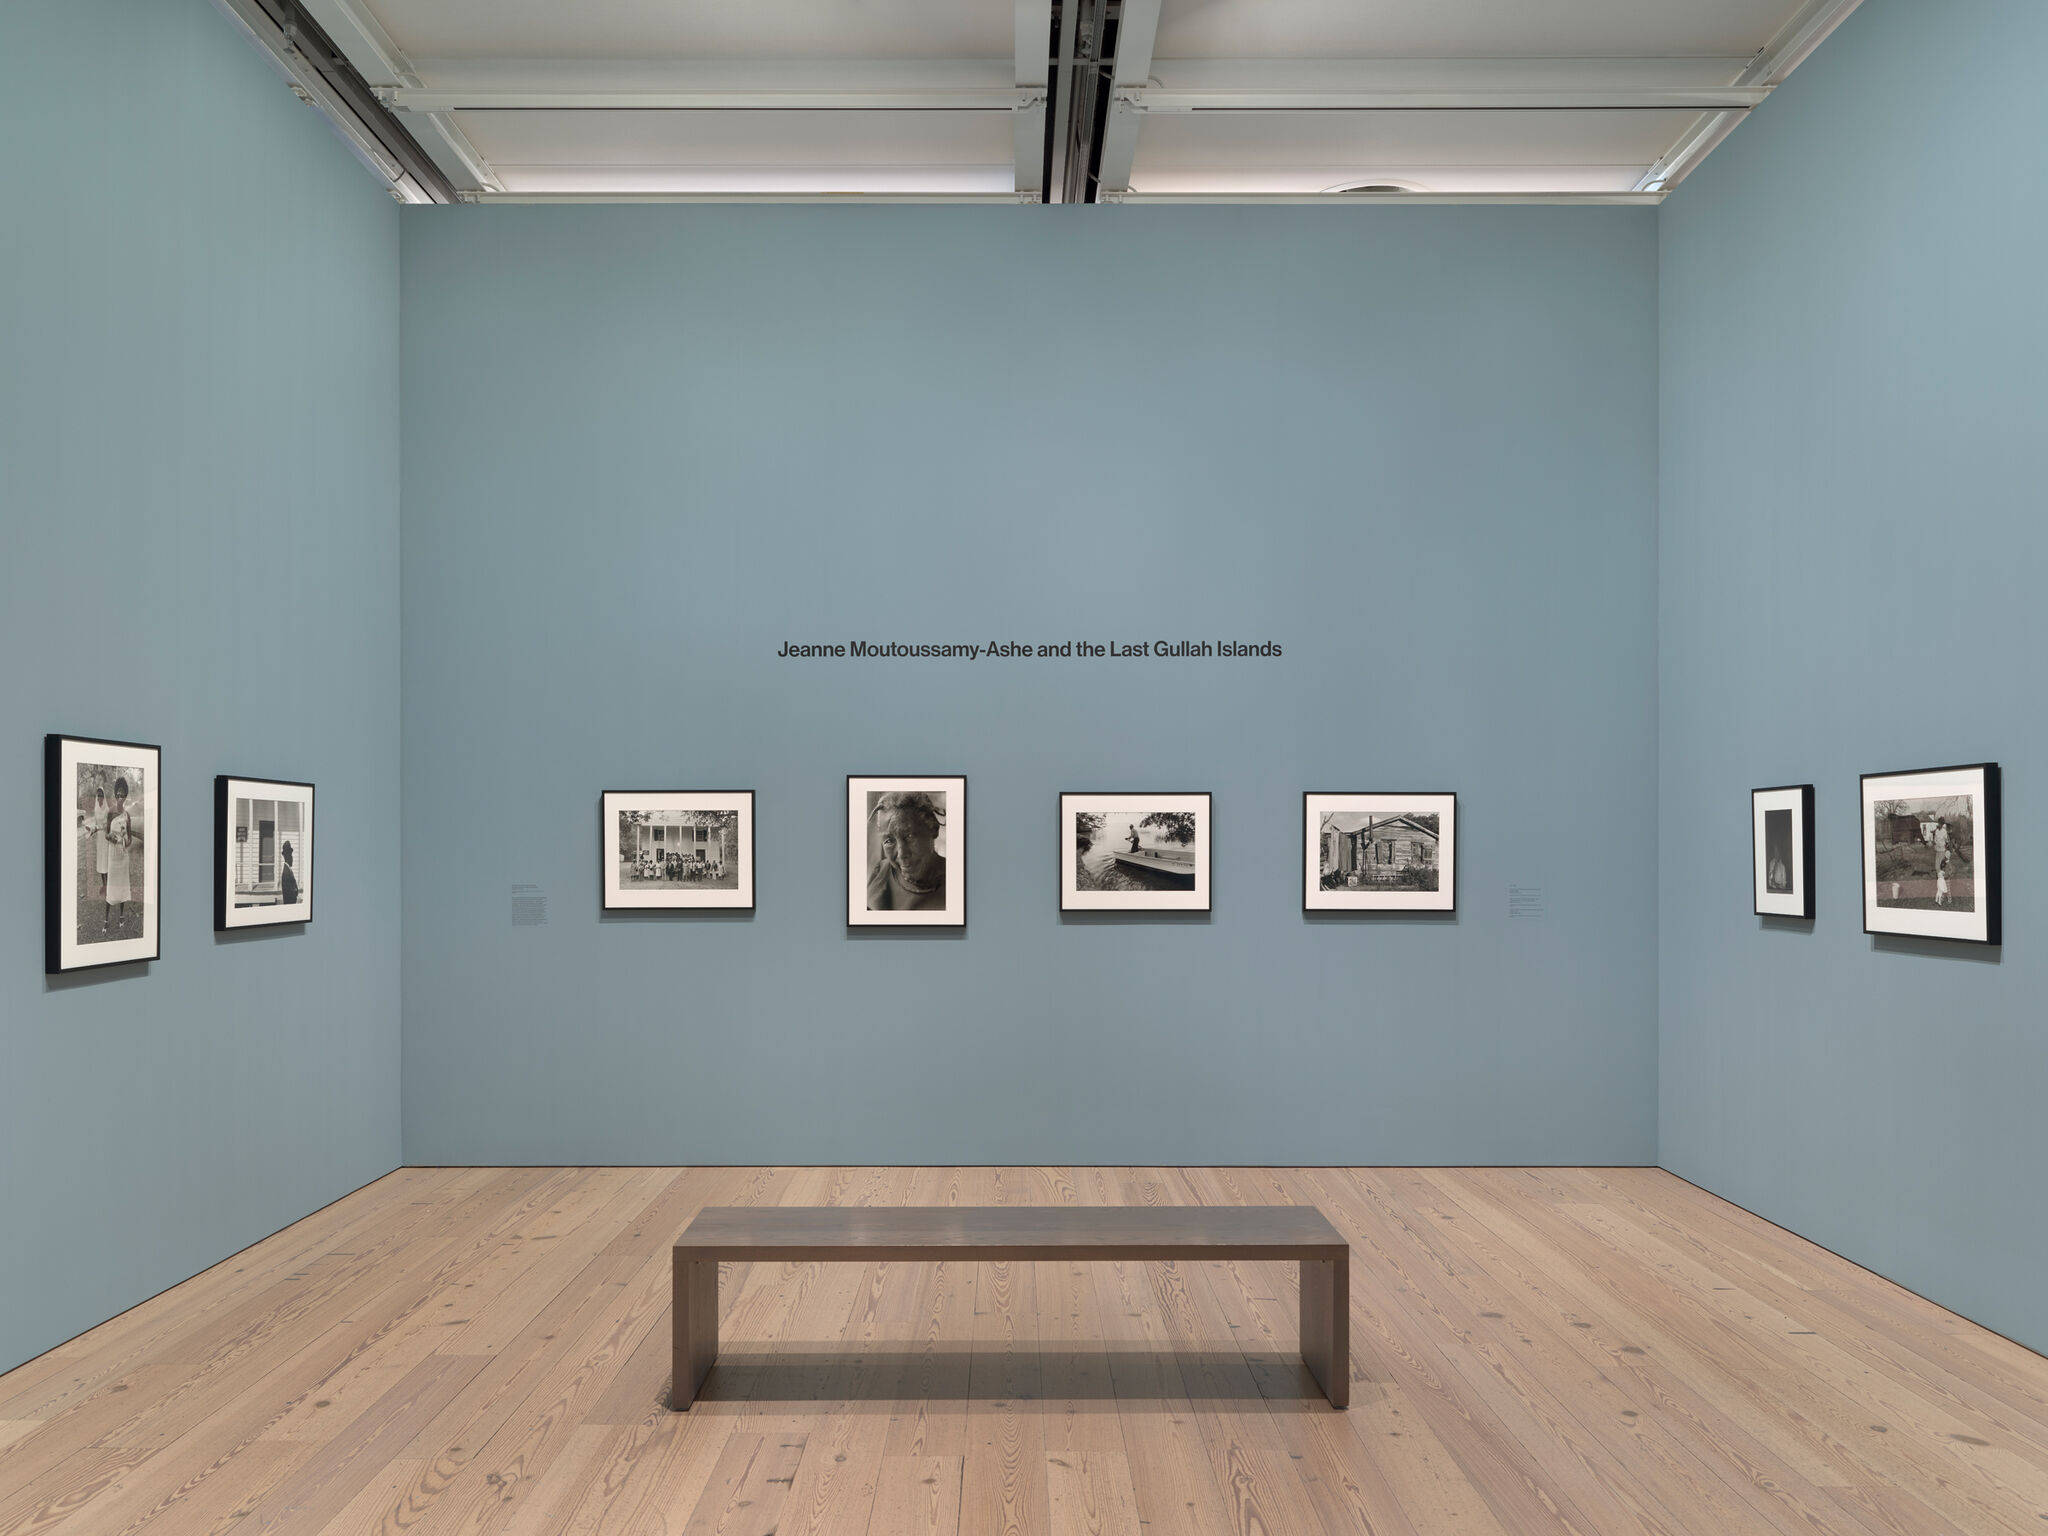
[952, 152]
[1238, 99]
[1439, 151]
[1466, 29]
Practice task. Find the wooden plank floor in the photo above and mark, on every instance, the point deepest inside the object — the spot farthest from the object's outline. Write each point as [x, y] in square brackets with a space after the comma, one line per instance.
[1533, 1350]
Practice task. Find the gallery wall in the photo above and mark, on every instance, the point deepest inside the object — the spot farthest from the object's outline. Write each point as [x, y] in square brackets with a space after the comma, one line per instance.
[1851, 553]
[647, 446]
[198, 423]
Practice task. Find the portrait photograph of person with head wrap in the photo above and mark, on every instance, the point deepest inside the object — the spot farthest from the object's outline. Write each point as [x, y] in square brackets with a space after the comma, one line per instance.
[906, 855]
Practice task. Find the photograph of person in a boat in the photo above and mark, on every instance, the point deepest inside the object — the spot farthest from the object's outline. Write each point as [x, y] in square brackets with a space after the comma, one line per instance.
[1135, 852]
[1138, 850]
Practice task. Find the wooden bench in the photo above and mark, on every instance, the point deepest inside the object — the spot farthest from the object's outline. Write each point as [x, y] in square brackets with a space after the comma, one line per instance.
[1023, 1234]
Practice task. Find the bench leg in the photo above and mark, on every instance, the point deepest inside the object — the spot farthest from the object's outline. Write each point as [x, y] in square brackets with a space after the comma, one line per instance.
[1326, 1325]
[696, 1329]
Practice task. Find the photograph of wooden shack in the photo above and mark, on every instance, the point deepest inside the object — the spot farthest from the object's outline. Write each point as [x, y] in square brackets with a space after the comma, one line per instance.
[1364, 851]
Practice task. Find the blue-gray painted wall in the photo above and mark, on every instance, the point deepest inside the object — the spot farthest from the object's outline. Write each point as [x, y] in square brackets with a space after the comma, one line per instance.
[1853, 341]
[1423, 449]
[198, 548]
[646, 446]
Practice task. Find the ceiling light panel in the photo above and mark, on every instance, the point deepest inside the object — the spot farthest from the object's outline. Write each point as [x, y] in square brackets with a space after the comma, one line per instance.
[1430, 29]
[1216, 153]
[738, 152]
[428, 30]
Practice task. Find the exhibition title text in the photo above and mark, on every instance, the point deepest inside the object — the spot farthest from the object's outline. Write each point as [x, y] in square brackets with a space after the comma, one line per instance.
[1005, 650]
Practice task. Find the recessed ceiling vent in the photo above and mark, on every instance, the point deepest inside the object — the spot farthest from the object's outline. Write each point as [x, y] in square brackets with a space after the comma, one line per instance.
[1363, 187]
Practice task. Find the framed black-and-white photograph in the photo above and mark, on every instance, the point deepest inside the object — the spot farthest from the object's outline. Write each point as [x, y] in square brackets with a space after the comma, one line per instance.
[102, 852]
[1931, 855]
[262, 853]
[1379, 853]
[1134, 853]
[1781, 850]
[678, 849]
[906, 851]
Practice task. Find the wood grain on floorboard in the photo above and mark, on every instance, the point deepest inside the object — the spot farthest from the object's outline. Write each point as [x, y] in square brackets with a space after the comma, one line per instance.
[485, 1352]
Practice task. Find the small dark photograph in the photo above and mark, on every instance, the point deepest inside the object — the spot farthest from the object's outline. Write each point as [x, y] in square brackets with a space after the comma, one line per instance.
[1926, 853]
[1778, 851]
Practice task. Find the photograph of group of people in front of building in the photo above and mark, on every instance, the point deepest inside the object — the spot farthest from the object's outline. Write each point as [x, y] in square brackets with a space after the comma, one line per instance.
[678, 850]
[698, 848]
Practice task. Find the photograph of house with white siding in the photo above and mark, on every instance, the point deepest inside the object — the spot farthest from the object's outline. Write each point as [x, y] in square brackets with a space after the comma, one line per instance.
[266, 866]
[263, 853]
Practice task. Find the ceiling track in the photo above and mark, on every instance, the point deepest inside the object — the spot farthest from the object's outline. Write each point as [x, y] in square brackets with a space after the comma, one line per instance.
[1807, 29]
[1186, 199]
[1084, 72]
[321, 75]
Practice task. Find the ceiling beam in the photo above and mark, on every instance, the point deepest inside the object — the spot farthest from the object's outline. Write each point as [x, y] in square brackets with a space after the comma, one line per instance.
[1693, 146]
[357, 32]
[1033, 70]
[1060, 98]
[1137, 27]
[1256, 85]
[1405, 199]
[909, 98]
[835, 199]
[476, 174]
[325, 78]
[1478, 98]
[1807, 29]
[1219, 199]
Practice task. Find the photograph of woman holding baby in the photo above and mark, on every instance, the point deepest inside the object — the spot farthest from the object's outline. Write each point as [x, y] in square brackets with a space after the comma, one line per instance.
[100, 856]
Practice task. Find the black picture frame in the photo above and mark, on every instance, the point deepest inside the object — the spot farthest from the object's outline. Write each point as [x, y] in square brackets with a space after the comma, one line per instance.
[612, 896]
[861, 917]
[228, 918]
[64, 823]
[1799, 800]
[1921, 915]
[1442, 902]
[1166, 898]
